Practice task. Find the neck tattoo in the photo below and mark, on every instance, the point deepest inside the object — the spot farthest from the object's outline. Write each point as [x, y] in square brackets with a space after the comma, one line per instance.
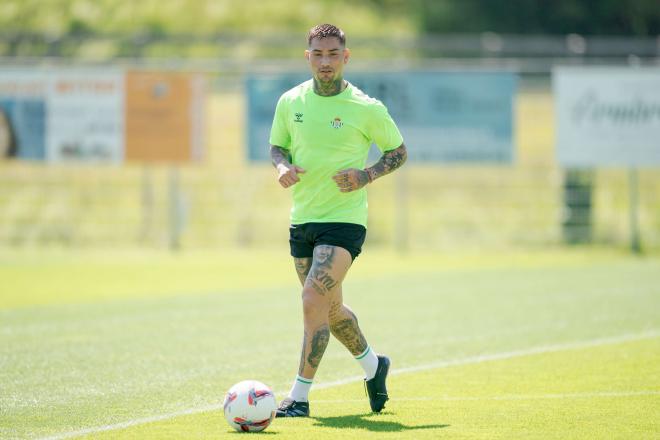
[330, 88]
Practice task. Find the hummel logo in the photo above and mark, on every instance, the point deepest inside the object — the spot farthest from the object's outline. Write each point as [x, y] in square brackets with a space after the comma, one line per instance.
[298, 117]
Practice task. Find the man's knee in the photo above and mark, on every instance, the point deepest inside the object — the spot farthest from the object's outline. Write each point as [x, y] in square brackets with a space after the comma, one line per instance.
[313, 303]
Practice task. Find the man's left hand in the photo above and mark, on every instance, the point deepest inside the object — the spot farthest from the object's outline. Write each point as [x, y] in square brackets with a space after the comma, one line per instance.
[351, 179]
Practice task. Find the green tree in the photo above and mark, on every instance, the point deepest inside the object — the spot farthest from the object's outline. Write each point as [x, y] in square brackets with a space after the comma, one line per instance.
[587, 17]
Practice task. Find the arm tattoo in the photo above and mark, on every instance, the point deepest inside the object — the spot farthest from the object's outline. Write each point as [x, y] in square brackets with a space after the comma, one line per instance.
[279, 155]
[363, 178]
[389, 162]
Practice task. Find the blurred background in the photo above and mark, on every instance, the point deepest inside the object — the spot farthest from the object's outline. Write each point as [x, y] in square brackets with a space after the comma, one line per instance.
[141, 124]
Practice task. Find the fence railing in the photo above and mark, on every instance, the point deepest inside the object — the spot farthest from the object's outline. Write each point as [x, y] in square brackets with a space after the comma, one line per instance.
[421, 207]
[90, 44]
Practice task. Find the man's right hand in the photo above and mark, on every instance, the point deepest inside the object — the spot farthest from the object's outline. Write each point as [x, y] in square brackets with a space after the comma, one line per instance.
[288, 174]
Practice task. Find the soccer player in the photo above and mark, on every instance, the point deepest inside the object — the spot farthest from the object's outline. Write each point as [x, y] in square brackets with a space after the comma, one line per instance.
[320, 138]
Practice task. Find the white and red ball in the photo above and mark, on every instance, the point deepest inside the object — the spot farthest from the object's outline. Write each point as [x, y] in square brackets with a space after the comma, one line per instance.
[250, 406]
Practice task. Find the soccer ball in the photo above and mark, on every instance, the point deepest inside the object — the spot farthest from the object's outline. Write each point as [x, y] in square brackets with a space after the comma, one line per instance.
[250, 406]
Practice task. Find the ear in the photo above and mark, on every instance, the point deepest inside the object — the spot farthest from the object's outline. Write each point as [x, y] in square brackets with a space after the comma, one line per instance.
[307, 54]
[347, 55]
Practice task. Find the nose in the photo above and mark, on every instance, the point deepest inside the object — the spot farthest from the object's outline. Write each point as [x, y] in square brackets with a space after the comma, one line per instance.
[325, 60]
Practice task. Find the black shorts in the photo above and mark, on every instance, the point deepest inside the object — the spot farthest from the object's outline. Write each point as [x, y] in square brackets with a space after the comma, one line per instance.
[305, 237]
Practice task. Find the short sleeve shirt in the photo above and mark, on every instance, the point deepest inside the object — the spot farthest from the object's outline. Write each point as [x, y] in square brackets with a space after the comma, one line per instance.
[326, 134]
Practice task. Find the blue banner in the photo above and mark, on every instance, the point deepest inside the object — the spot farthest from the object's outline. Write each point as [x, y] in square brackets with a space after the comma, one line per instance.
[22, 128]
[444, 116]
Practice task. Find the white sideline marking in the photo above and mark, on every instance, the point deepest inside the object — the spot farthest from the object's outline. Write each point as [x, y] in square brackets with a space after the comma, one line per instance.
[591, 395]
[507, 355]
[650, 334]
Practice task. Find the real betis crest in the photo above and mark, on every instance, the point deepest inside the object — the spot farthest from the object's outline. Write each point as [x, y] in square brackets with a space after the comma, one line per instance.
[336, 123]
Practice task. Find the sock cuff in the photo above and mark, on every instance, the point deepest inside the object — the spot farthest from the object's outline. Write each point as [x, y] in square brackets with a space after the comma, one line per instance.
[303, 380]
[363, 354]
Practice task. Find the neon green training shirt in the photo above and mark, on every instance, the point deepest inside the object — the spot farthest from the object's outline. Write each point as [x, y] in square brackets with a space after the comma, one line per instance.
[327, 134]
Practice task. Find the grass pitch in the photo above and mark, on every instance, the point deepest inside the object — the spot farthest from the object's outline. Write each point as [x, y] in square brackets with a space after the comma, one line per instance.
[554, 345]
[598, 392]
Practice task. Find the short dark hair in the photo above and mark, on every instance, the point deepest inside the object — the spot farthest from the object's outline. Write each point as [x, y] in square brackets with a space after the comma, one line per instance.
[325, 31]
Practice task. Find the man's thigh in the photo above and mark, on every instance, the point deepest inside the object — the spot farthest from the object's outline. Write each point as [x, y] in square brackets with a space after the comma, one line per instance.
[328, 270]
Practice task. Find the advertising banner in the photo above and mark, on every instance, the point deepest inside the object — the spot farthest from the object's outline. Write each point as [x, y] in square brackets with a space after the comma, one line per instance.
[62, 115]
[163, 114]
[101, 115]
[85, 116]
[607, 116]
[23, 114]
[444, 116]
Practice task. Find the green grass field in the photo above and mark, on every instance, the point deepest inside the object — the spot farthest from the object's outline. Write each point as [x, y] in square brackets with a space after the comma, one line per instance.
[557, 344]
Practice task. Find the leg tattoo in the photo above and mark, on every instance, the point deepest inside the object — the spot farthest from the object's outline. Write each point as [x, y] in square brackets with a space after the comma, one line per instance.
[319, 343]
[319, 275]
[302, 268]
[321, 281]
[346, 329]
[321, 297]
[301, 366]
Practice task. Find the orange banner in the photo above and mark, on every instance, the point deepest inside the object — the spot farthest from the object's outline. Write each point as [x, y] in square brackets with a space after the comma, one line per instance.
[163, 117]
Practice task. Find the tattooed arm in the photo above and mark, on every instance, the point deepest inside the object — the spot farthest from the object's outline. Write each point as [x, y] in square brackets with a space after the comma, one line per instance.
[389, 162]
[353, 179]
[287, 173]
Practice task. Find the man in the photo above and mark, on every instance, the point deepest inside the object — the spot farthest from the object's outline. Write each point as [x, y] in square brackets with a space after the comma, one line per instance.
[320, 138]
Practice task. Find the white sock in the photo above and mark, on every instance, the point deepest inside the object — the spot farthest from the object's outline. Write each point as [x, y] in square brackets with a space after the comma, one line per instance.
[300, 389]
[369, 362]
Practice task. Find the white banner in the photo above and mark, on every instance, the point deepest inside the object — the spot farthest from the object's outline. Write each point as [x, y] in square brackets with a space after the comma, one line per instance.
[85, 117]
[62, 115]
[607, 116]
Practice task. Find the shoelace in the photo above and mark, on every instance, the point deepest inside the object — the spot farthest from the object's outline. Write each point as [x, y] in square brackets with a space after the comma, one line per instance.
[289, 409]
